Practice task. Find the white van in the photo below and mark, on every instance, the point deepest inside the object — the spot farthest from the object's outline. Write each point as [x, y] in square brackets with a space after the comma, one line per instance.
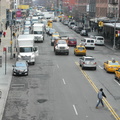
[88, 42]
[99, 40]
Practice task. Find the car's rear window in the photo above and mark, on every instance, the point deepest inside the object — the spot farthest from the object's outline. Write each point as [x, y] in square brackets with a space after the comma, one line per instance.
[72, 39]
[112, 63]
[100, 39]
[90, 41]
[89, 59]
[81, 48]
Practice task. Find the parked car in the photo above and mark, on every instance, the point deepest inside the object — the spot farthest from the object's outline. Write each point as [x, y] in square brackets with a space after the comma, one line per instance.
[80, 50]
[20, 68]
[99, 40]
[88, 42]
[72, 41]
[70, 24]
[88, 62]
[84, 33]
[111, 65]
[78, 29]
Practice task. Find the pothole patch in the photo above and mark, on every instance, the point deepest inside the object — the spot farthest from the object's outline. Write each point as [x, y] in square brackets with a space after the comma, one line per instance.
[41, 100]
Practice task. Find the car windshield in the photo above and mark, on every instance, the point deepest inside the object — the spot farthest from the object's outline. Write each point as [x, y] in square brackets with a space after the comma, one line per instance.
[26, 49]
[80, 48]
[20, 64]
[61, 42]
[89, 59]
[113, 63]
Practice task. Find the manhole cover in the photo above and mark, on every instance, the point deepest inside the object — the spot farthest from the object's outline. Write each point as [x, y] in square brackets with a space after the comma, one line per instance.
[41, 100]
[18, 86]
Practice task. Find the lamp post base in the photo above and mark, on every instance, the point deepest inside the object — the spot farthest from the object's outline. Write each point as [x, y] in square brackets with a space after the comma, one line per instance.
[114, 46]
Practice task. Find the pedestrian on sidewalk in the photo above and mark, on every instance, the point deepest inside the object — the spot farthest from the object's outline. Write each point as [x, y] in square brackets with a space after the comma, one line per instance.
[0, 41]
[100, 96]
[14, 35]
[4, 34]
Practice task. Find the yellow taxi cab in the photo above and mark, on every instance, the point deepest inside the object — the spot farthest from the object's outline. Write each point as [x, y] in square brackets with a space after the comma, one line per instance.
[111, 65]
[80, 50]
[117, 74]
[55, 34]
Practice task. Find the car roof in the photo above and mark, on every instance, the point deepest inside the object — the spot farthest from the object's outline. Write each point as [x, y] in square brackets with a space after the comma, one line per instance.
[89, 38]
[88, 57]
[72, 38]
[99, 36]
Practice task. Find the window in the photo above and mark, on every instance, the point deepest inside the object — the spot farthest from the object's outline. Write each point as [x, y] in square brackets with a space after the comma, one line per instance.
[26, 49]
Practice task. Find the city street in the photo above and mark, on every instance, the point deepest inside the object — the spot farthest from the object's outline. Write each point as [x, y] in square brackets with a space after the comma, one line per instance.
[58, 89]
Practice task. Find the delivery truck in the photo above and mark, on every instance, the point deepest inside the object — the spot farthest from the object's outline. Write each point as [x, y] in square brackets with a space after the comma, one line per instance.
[26, 50]
[38, 30]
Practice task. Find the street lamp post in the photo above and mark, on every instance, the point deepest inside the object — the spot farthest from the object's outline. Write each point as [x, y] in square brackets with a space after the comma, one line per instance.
[11, 56]
[114, 3]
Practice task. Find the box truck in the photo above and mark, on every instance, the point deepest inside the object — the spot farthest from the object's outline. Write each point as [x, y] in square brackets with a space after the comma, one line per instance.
[26, 49]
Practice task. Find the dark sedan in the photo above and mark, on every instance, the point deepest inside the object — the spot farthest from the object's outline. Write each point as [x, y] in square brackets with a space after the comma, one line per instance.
[20, 68]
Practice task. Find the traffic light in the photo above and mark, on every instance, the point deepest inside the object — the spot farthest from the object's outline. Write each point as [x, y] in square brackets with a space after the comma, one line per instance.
[100, 24]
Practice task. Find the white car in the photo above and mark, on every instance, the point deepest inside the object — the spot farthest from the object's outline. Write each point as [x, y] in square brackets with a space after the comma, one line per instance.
[99, 40]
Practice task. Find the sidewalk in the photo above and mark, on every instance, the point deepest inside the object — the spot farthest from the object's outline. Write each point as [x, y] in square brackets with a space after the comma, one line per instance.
[5, 79]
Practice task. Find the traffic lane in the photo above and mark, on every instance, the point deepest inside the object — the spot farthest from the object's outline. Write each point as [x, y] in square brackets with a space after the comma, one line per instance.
[79, 91]
[99, 49]
[101, 78]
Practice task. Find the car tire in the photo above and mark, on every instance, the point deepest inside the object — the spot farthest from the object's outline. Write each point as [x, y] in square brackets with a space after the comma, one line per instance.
[55, 53]
[116, 77]
[95, 68]
[68, 53]
[33, 63]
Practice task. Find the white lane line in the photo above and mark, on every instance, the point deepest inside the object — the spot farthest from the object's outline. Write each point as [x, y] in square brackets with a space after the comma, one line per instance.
[57, 66]
[64, 81]
[117, 82]
[100, 67]
[75, 110]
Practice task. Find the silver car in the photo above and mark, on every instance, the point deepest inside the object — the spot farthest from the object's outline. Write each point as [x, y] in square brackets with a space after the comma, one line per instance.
[88, 62]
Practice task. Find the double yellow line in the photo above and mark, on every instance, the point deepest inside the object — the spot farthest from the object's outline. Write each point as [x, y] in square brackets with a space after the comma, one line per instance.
[96, 89]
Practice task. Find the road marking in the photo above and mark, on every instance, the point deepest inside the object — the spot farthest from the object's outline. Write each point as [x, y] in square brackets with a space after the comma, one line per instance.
[64, 81]
[96, 89]
[100, 67]
[117, 82]
[57, 66]
[75, 110]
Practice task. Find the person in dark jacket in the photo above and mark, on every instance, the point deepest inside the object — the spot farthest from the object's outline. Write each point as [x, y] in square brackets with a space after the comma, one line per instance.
[100, 96]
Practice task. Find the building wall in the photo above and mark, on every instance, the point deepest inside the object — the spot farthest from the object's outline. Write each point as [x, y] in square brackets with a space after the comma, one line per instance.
[101, 8]
[4, 4]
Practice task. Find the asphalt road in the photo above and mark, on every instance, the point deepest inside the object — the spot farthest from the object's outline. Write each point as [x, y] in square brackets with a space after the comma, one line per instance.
[57, 89]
